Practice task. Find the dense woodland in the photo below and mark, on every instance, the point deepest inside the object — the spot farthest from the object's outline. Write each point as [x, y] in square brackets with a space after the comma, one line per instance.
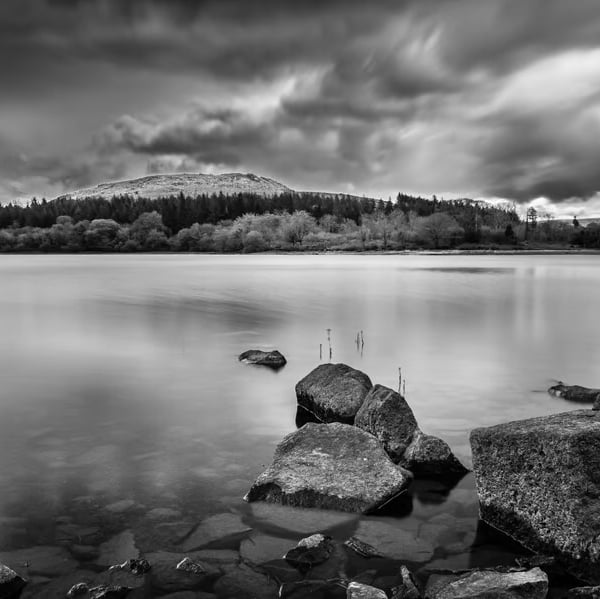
[286, 222]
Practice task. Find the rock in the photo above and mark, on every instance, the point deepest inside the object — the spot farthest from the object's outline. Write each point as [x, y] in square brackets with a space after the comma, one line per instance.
[407, 589]
[386, 415]
[330, 466]
[484, 584]
[298, 520]
[575, 393]
[163, 513]
[84, 591]
[357, 590]
[272, 359]
[538, 480]
[57, 588]
[120, 507]
[333, 392]
[168, 574]
[313, 589]
[430, 456]
[246, 583]
[138, 567]
[389, 540]
[584, 593]
[41, 560]
[10, 583]
[215, 528]
[118, 549]
[259, 549]
[310, 551]
[77, 590]
[361, 548]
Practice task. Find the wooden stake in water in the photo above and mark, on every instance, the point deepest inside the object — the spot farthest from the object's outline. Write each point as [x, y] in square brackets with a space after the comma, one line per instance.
[399, 379]
[404, 389]
[320, 351]
[329, 342]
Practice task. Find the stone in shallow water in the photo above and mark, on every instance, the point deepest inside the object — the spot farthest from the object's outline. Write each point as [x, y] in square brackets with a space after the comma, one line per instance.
[246, 583]
[389, 540]
[163, 513]
[484, 584]
[10, 582]
[575, 393]
[330, 466]
[165, 576]
[263, 548]
[119, 507]
[273, 359]
[357, 590]
[310, 551]
[118, 549]
[300, 520]
[538, 480]
[41, 560]
[584, 593]
[215, 528]
[333, 392]
[431, 456]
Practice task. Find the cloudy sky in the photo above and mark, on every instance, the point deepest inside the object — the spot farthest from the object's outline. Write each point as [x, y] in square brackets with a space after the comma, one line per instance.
[476, 98]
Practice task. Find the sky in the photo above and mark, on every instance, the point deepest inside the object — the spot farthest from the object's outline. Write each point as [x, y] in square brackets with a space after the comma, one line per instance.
[494, 99]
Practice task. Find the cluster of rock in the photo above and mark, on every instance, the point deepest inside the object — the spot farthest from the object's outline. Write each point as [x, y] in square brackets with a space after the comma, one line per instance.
[362, 452]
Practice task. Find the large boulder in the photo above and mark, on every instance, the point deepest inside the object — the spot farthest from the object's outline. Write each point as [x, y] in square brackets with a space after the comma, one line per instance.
[10, 583]
[485, 584]
[385, 414]
[333, 392]
[273, 359]
[575, 393]
[538, 480]
[330, 466]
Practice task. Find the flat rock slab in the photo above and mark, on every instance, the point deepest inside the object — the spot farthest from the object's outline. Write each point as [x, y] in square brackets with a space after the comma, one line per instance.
[215, 528]
[333, 392]
[298, 520]
[42, 560]
[484, 584]
[538, 480]
[118, 549]
[389, 540]
[272, 359]
[330, 466]
[575, 393]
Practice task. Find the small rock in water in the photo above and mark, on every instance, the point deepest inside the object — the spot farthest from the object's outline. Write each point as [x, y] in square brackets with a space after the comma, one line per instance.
[261, 548]
[407, 589]
[10, 582]
[138, 567]
[356, 590]
[431, 456]
[187, 565]
[310, 551]
[119, 507]
[361, 548]
[273, 359]
[118, 549]
[575, 393]
[163, 513]
[78, 590]
[219, 527]
[584, 593]
[246, 583]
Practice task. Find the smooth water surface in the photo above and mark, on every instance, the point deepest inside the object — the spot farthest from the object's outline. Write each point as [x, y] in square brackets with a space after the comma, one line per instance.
[121, 392]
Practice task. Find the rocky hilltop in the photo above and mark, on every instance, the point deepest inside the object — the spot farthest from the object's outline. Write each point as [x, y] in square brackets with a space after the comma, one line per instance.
[156, 186]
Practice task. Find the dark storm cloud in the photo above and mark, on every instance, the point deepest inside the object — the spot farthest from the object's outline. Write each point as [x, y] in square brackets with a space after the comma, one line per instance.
[489, 97]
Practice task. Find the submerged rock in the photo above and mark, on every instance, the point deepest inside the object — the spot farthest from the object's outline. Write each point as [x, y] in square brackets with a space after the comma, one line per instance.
[10, 583]
[42, 560]
[357, 590]
[386, 415]
[330, 466]
[575, 393]
[538, 480]
[246, 583]
[333, 392]
[484, 584]
[407, 589]
[584, 593]
[272, 359]
[215, 528]
[310, 551]
[431, 456]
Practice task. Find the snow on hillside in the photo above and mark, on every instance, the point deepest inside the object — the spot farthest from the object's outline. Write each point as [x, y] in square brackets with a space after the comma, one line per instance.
[155, 186]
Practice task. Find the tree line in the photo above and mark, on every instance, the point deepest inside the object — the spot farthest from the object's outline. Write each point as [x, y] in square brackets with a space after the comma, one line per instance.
[286, 222]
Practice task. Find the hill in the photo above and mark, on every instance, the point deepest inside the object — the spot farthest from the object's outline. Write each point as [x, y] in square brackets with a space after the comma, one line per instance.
[190, 185]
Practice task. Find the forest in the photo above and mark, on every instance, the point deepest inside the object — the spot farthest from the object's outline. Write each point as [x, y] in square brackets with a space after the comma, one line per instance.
[286, 222]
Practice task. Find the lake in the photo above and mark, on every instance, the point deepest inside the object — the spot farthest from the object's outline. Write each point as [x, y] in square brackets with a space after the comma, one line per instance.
[123, 406]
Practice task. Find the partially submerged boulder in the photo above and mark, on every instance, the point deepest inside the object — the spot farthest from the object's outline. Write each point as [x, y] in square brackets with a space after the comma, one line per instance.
[386, 415]
[538, 480]
[575, 393]
[310, 551]
[431, 456]
[333, 392]
[272, 359]
[484, 584]
[330, 466]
